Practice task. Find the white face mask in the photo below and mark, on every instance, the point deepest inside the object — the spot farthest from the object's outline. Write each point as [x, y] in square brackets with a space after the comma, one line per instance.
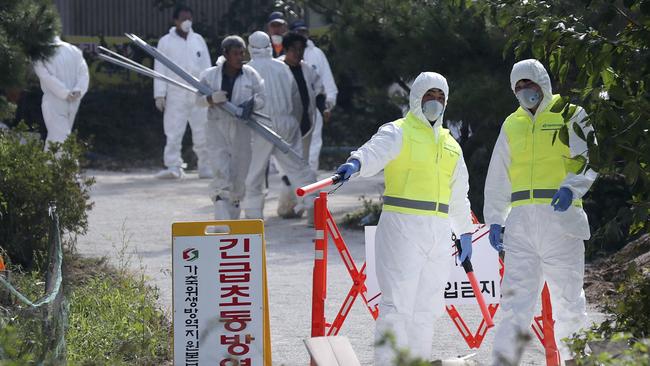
[432, 110]
[186, 26]
[529, 98]
[276, 39]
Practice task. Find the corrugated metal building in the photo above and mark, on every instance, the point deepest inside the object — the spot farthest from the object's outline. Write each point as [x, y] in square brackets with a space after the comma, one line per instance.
[142, 17]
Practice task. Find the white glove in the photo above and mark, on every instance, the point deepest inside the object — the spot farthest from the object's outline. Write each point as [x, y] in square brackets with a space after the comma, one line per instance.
[218, 97]
[160, 103]
[73, 95]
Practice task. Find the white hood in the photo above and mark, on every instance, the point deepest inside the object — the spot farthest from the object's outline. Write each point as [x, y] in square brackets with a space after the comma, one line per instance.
[424, 82]
[259, 45]
[533, 70]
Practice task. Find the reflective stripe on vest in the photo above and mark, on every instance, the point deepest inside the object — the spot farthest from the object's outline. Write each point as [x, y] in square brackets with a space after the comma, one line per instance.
[418, 205]
[540, 161]
[418, 180]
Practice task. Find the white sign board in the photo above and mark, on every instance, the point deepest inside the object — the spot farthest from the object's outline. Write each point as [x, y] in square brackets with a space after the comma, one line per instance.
[218, 300]
[458, 290]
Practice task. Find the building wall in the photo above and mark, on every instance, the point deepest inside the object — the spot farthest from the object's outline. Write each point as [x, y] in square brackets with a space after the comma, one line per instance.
[116, 17]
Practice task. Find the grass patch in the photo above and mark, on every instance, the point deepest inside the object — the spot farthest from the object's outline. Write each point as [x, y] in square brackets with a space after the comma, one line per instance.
[114, 318]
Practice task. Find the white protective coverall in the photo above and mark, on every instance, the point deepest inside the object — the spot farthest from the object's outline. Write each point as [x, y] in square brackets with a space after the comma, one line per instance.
[192, 55]
[284, 106]
[413, 251]
[288, 205]
[315, 57]
[229, 140]
[63, 73]
[541, 244]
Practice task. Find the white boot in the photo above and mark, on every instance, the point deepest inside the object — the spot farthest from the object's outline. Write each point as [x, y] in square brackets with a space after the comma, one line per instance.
[287, 202]
[235, 210]
[253, 213]
[174, 172]
[221, 210]
[205, 171]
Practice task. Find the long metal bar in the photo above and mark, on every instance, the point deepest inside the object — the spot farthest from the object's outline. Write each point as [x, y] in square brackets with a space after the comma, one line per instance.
[264, 131]
[143, 71]
[120, 60]
[123, 58]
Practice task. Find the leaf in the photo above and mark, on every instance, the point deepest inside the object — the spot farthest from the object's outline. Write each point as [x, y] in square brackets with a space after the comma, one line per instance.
[559, 105]
[578, 131]
[609, 77]
[564, 70]
[564, 135]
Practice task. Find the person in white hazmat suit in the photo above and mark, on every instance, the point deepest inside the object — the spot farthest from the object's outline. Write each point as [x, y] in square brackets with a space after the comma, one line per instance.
[229, 139]
[309, 86]
[424, 202]
[64, 81]
[317, 59]
[188, 50]
[284, 107]
[534, 188]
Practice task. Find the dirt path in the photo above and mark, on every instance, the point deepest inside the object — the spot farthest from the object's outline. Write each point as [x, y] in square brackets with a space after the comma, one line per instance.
[133, 214]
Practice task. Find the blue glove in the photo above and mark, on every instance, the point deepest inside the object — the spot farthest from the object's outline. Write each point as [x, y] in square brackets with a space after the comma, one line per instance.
[465, 247]
[562, 199]
[495, 237]
[346, 170]
[247, 108]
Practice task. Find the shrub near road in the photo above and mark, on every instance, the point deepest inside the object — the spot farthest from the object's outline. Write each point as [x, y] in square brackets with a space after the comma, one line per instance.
[113, 317]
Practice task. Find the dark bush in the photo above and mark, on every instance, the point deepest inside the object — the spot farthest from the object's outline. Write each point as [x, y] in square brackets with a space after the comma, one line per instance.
[30, 179]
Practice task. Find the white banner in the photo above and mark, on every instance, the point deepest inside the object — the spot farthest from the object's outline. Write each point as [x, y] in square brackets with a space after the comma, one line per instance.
[458, 290]
[218, 300]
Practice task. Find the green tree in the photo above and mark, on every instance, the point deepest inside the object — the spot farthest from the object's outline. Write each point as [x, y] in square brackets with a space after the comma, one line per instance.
[599, 54]
[26, 30]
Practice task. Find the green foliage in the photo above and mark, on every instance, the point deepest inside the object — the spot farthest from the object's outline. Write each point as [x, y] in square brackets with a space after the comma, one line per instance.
[367, 215]
[114, 320]
[30, 179]
[623, 338]
[598, 53]
[26, 30]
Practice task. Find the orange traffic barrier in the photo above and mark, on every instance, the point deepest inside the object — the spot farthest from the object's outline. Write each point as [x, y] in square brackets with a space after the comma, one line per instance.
[326, 227]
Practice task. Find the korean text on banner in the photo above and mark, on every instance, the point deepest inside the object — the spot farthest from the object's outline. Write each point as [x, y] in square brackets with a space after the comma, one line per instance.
[219, 295]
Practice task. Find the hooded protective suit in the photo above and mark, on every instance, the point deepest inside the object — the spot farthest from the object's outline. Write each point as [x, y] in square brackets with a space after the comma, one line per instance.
[288, 205]
[412, 250]
[541, 244]
[192, 55]
[284, 107]
[315, 57]
[60, 75]
[229, 140]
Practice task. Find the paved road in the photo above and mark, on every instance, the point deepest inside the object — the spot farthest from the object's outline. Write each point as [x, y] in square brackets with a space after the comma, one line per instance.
[133, 214]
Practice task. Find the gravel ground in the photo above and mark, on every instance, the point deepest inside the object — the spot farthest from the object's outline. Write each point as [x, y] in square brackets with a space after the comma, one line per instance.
[131, 224]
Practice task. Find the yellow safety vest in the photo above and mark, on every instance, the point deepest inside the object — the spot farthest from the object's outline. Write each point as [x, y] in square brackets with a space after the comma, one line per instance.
[538, 165]
[418, 181]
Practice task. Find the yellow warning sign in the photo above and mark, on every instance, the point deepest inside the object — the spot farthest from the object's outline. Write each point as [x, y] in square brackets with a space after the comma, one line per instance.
[220, 297]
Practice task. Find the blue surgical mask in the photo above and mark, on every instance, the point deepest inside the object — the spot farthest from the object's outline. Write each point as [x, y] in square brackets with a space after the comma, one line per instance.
[529, 98]
[432, 110]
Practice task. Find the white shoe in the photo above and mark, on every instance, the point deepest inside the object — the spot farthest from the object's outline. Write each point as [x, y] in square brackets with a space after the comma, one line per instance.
[205, 172]
[287, 202]
[235, 210]
[253, 213]
[221, 210]
[170, 173]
